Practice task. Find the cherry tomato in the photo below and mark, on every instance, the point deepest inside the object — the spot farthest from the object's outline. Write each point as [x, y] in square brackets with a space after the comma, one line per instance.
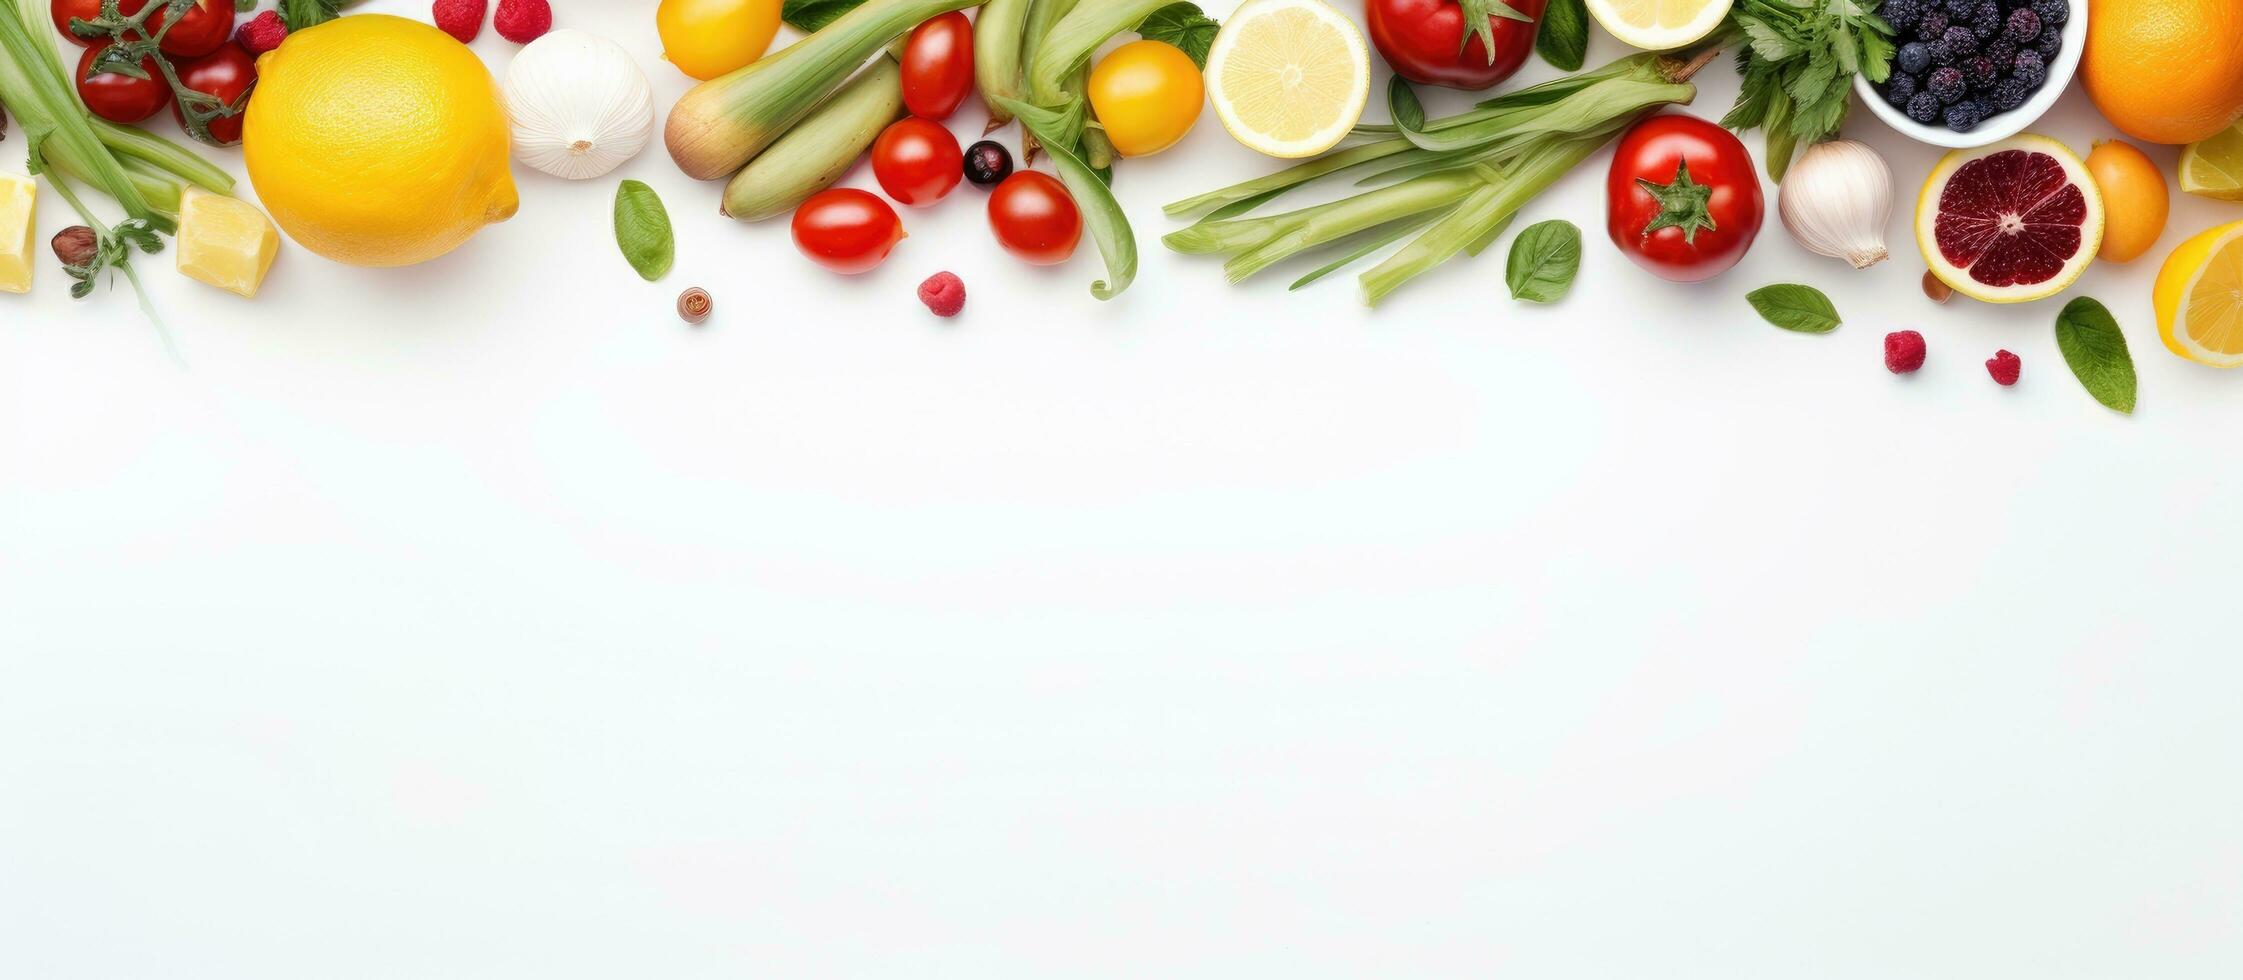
[938, 66]
[226, 74]
[1424, 40]
[708, 38]
[916, 161]
[1147, 94]
[119, 97]
[1682, 199]
[1034, 218]
[207, 24]
[846, 230]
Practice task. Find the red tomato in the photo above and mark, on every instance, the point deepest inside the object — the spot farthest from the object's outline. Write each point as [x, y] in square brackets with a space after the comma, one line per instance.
[227, 75]
[846, 230]
[916, 161]
[1682, 199]
[1035, 218]
[938, 66]
[207, 25]
[1424, 40]
[118, 97]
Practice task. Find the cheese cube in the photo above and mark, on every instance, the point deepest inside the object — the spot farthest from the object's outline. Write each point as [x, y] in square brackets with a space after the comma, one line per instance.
[19, 222]
[225, 242]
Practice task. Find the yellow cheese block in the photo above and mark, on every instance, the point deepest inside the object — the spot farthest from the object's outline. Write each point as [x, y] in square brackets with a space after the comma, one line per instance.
[225, 242]
[19, 220]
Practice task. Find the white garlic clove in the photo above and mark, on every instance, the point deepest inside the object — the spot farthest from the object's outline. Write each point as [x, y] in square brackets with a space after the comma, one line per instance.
[1836, 200]
[579, 105]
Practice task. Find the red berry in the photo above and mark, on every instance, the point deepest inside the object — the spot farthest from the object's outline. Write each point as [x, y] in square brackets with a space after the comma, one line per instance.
[2004, 366]
[462, 19]
[1904, 351]
[523, 21]
[262, 33]
[944, 293]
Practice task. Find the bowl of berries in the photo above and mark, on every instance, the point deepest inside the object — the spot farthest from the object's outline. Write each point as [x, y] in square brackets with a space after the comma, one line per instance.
[1971, 72]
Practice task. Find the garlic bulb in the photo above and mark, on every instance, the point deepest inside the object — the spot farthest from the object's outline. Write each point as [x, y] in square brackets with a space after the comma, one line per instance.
[580, 106]
[1836, 201]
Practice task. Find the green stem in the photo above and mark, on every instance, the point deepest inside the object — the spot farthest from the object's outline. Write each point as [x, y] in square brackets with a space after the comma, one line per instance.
[1072, 40]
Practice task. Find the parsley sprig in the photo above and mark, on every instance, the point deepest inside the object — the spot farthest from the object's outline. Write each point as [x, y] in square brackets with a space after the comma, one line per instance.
[1798, 64]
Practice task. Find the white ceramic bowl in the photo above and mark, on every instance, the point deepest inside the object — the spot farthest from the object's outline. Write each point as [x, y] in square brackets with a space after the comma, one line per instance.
[1999, 127]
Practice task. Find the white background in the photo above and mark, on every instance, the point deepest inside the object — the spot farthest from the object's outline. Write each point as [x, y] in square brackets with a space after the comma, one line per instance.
[482, 620]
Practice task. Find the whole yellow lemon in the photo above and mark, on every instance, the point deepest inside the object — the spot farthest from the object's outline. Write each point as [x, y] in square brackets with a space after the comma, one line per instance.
[378, 141]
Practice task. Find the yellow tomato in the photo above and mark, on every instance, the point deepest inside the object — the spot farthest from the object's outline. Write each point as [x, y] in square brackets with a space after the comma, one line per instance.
[708, 38]
[1147, 94]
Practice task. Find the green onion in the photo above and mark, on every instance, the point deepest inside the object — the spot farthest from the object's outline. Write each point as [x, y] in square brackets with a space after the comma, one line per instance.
[723, 123]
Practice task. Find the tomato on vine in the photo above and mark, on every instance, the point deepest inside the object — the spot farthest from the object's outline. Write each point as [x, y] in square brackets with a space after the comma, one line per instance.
[215, 87]
[116, 96]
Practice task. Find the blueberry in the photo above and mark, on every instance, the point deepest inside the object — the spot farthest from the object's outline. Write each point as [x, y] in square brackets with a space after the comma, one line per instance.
[2010, 94]
[1930, 26]
[1986, 24]
[2023, 25]
[1962, 117]
[2029, 68]
[2053, 13]
[1945, 84]
[2003, 52]
[1961, 43]
[1914, 57]
[1899, 89]
[1924, 108]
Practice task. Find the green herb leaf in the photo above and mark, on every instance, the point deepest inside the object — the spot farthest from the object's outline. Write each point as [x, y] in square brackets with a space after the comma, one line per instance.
[300, 14]
[642, 230]
[2096, 351]
[1795, 307]
[811, 16]
[1544, 260]
[1564, 39]
[1185, 26]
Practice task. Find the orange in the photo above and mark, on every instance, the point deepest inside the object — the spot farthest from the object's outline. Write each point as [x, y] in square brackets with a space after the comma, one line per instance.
[2134, 199]
[2165, 71]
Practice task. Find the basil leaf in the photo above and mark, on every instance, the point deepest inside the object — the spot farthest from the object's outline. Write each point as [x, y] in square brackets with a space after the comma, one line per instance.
[812, 16]
[1102, 215]
[1795, 307]
[2096, 351]
[642, 230]
[1402, 104]
[1564, 40]
[1544, 260]
[1185, 26]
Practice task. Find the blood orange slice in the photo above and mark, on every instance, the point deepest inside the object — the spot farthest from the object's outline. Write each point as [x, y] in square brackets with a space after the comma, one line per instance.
[2012, 222]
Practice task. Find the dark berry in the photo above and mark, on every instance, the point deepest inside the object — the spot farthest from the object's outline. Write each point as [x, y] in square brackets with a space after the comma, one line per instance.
[1899, 89]
[1924, 108]
[2005, 367]
[1945, 84]
[1986, 24]
[1914, 57]
[2008, 95]
[1959, 9]
[988, 163]
[2003, 52]
[2050, 43]
[2029, 68]
[1931, 26]
[2053, 13]
[1960, 42]
[1963, 116]
[2023, 25]
[1901, 14]
[1904, 351]
[1980, 73]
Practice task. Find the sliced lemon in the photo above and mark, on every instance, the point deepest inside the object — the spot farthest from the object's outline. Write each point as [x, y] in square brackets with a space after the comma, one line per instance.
[1656, 25]
[1288, 77]
[225, 242]
[2199, 298]
[2214, 167]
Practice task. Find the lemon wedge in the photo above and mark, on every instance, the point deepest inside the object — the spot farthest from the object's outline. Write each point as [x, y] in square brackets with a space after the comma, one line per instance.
[1288, 77]
[2214, 167]
[1656, 25]
[225, 242]
[19, 214]
[2199, 298]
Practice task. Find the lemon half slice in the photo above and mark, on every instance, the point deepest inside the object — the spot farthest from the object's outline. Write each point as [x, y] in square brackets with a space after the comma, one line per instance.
[1288, 77]
[2199, 298]
[2214, 167]
[1656, 25]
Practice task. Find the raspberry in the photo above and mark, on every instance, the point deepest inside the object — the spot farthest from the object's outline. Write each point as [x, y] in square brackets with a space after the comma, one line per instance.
[262, 33]
[523, 21]
[1904, 351]
[944, 293]
[2004, 366]
[462, 19]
